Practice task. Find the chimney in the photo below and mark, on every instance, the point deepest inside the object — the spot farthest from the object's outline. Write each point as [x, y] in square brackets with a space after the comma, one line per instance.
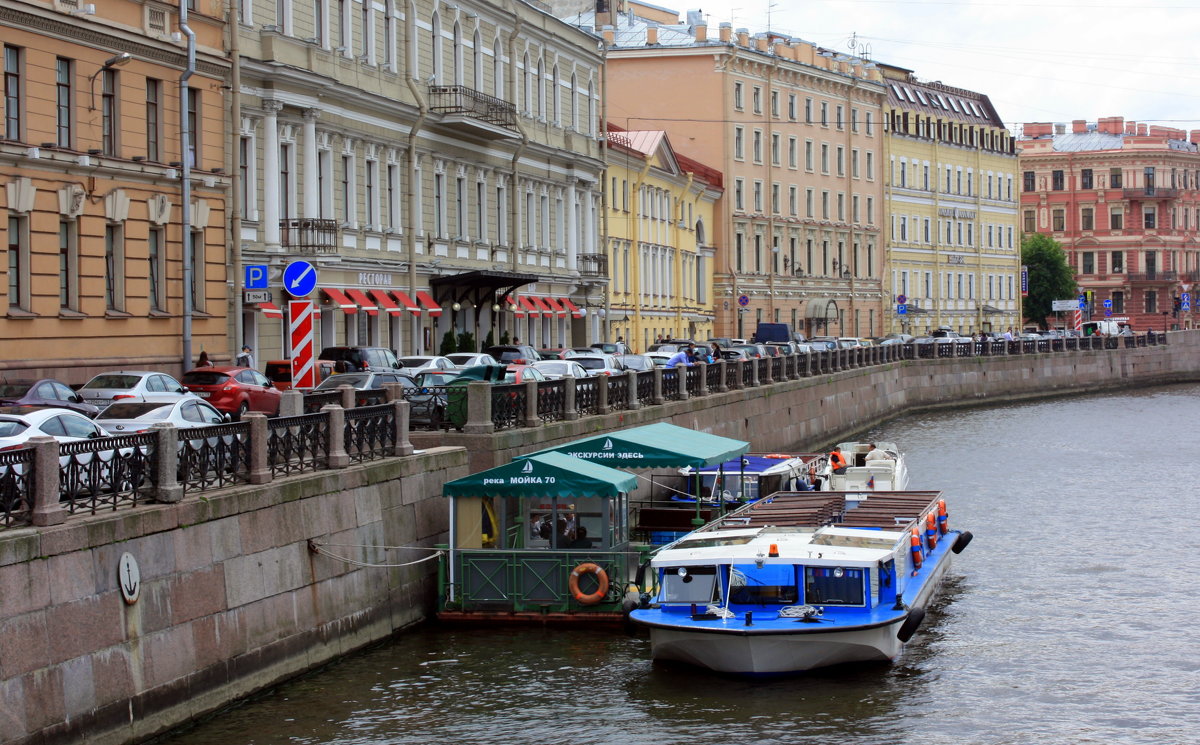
[1195, 137]
[760, 42]
[610, 36]
[701, 31]
[743, 37]
[1079, 126]
[1060, 129]
[1034, 130]
[651, 35]
[725, 32]
[1142, 129]
[1130, 128]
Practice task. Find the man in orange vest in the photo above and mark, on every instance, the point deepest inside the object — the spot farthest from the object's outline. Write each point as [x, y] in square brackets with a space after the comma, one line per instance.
[837, 461]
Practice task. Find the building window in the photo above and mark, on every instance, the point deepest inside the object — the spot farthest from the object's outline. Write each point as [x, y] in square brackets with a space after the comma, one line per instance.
[841, 124]
[1115, 219]
[108, 112]
[1089, 262]
[758, 144]
[114, 268]
[1028, 184]
[1058, 219]
[824, 158]
[154, 122]
[775, 199]
[68, 266]
[808, 111]
[1086, 218]
[196, 239]
[64, 103]
[824, 205]
[870, 165]
[739, 252]
[793, 154]
[869, 123]
[737, 96]
[1030, 224]
[739, 143]
[808, 202]
[1151, 301]
[841, 161]
[194, 130]
[1117, 261]
[774, 149]
[13, 98]
[1118, 298]
[1114, 178]
[156, 274]
[756, 99]
[792, 106]
[1148, 218]
[1085, 178]
[808, 155]
[739, 196]
[758, 196]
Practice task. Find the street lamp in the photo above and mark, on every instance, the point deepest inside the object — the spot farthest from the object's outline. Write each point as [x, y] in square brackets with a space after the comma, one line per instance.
[109, 63]
[1164, 315]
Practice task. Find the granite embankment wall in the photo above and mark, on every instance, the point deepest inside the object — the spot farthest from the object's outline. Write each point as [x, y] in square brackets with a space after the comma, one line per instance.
[233, 600]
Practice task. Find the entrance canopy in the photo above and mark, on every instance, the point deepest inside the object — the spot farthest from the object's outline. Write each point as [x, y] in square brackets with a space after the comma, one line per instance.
[544, 476]
[659, 445]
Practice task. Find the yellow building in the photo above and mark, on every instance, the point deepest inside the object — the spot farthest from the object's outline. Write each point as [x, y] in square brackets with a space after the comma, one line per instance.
[93, 200]
[954, 246]
[660, 224]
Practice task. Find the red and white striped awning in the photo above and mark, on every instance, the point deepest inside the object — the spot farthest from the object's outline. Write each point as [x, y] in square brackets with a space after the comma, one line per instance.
[556, 307]
[514, 307]
[428, 303]
[270, 310]
[385, 301]
[363, 301]
[530, 309]
[575, 311]
[339, 299]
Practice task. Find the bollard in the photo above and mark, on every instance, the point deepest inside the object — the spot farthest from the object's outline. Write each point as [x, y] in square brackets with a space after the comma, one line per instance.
[336, 424]
[348, 395]
[723, 365]
[531, 404]
[291, 403]
[166, 463]
[702, 387]
[260, 465]
[403, 444]
[479, 409]
[657, 398]
[569, 412]
[46, 508]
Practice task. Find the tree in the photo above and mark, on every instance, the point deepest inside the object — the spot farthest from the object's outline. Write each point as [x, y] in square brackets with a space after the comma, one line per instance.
[1050, 276]
[449, 343]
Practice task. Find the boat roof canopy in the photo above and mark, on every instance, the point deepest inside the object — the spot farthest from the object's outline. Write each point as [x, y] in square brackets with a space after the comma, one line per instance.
[658, 445]
[543, 476]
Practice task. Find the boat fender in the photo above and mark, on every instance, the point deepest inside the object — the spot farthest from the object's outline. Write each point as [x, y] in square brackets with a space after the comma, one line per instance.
[588, 567]
[911, 623]
[916, 548]
[942, 518]
[963, 539]
[931, 533]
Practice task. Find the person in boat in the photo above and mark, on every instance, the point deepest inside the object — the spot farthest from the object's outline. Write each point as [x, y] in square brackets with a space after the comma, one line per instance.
[837, 461]
[874, 453]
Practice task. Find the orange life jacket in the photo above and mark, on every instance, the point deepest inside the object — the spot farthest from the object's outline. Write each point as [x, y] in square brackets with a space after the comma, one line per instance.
[837, 460]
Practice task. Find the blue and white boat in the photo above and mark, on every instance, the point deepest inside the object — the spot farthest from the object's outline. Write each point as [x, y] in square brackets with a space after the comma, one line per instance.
[801, 580]
[754, 475]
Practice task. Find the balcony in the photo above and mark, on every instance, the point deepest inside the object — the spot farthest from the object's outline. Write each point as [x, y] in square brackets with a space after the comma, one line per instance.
[308, 235]
[593, 265]
[1150, 192]
[1153, 277]
[473, 112]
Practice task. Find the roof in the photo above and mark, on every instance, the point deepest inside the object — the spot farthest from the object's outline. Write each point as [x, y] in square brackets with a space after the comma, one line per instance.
[544, 476]
[659, 445]
[941, 100]
[1090, 141]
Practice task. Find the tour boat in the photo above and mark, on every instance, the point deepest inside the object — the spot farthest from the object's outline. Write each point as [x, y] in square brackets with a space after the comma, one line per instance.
[800, 580]
[888, 473]
[754, 475]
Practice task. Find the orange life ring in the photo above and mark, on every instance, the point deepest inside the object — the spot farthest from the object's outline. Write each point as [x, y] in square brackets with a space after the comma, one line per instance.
[777, 456]
[916, 548]
[931, 533]
[573, 584]
[942, 519]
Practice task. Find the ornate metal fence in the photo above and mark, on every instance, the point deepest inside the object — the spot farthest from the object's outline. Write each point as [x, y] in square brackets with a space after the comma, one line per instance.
[645, 388]
[712, 376]
[105, 473]
[552, 400]
[16, 486]
[214, 457]
[587, 395]
[731, 373]
[296, 444]
[508, 405]
[618, 393]
[670, 383]
[370, 397]
[427, 406]
[777, 368]
[314, 401]
[693, 381]
[370, 432]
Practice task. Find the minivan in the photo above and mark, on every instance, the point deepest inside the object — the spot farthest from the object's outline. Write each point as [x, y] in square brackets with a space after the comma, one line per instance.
[360, 359]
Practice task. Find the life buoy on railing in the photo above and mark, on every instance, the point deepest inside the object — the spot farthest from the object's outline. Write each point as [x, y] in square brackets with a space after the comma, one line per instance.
[573, 584]
[942, 518]
[916, 548]
[777, 456]
[931, 533]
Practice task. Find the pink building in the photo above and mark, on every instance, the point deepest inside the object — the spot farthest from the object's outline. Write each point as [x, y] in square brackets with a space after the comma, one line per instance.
[1124, 200]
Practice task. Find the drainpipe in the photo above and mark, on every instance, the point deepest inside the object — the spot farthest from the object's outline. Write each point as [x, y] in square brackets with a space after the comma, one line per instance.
[637, 246]
[423, 107]
[605, 198]
[186, 182]
[235, 190]
[514, 240]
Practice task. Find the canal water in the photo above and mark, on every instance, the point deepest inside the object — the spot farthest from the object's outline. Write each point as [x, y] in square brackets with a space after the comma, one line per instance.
[1070, 619]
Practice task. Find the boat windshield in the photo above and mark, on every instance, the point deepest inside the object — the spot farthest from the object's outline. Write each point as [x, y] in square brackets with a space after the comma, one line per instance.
[693, 584]
[771, 584]
[833, 586]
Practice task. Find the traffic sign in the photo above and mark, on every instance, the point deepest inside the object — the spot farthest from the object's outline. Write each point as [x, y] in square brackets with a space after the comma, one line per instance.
[300, 337]
[902, 299]
[1185, 301]
[1107, 313]
[1082, 303]
[743, 300]
[256, 277]
[1108, 303]
[902, 309]
[1061, 305]
[299, 278]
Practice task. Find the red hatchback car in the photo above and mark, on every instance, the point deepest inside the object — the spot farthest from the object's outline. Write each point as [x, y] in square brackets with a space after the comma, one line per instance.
[234, 390]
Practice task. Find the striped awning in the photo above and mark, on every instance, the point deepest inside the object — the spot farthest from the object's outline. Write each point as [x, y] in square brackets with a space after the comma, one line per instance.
[514, 307]
[385, 301]
[530, 309]
[406, 302]
[428, 303]
[574, 309]
[363, 301]
[270, 310]
[339, 299]
[556, 307]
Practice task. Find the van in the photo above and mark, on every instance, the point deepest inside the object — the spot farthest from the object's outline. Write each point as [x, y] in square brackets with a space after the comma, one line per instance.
[279, 372]
[361, 359]
[766, 332]
[1108, 327]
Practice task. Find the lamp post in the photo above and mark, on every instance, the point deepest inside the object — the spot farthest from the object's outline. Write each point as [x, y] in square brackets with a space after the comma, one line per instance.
[111, 62]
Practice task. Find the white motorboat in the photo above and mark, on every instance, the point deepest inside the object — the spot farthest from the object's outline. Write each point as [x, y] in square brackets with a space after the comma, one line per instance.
[885, 471]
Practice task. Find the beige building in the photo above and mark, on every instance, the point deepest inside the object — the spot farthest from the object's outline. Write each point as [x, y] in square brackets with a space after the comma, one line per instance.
[439, 164]
[659, 223]
[796, 132]
[954, 245]
[93, 208]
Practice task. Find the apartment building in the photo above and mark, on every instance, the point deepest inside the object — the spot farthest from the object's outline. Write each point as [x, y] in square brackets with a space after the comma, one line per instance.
[953, 242]
[660, 221]
[439, 164]
[1124, 200]
[795, 130]
[95, 274]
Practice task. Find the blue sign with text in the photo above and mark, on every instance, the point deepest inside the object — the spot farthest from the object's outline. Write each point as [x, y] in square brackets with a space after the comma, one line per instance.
[902, 309]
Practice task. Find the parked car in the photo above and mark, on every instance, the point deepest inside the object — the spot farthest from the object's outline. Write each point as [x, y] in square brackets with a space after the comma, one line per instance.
[769, 350]
[659, 359]
[522, 374]
[752, 351]
[514, 354]
[471, 359]
[19, 423]
[610, 347]
[557, 369]
[364, 381]
[848, 342]
[784, 347]
[132, 417]
[132, 385]
[234, 390]
[721, 341]
[558, 353]
[736, 353]
[279, 372]
[357, 359]
[638, 362]
[417, 363]
[44, 392]
[429, 398]
[600, 364]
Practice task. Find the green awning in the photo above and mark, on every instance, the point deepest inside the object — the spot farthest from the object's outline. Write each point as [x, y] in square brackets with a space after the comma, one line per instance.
[653, 446]
[544, 476]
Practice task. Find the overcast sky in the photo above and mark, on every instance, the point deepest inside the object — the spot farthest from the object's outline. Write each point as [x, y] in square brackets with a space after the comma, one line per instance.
[1054, 60]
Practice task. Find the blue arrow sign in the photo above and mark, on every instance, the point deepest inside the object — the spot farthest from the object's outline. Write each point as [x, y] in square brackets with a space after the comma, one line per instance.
[1107, 313]
[299, 278]
[256, 277]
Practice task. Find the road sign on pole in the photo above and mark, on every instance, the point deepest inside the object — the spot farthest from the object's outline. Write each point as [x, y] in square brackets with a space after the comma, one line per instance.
[902, 309]
[300, 336]
[299, 278]
[256, 277]
[1185, 301]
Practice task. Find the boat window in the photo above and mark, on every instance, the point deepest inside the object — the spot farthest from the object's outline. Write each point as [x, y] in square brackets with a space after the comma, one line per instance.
[833, 586]
[731, 484]
[771, 584]
[691, 584]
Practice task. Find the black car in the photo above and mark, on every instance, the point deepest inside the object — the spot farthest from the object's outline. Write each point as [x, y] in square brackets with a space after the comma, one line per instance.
[514, 354]
[45, 392]
[360, 359]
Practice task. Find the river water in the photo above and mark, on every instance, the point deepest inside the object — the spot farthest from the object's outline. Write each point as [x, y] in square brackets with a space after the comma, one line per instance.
[1069, 620]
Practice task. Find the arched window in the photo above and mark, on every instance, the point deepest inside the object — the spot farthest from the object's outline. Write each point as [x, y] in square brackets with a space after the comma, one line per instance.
[541, 90]
[458, 55]
[477, 62]
[554, 97]
[590, 127]
[497, 68]
[525, 92]
[700, 232]
[435, 24]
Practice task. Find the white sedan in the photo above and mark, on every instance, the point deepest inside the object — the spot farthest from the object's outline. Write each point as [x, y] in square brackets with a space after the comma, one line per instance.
[129, 417]
[557, 369]
[599, 364]
[414, 365]
[471, 359]
[20, 423]
[132, 385]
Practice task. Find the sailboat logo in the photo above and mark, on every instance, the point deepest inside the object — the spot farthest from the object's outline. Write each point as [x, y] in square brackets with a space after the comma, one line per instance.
[528, 467]
[607, 444]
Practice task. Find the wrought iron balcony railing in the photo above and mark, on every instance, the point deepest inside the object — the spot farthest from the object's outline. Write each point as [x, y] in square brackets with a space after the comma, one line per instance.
[308, 235]
[459, 99]
[1153, 276]
[1151, 192]
[593, 265]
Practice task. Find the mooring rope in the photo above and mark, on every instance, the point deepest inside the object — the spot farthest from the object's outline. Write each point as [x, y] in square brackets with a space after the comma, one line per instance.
[319, 548]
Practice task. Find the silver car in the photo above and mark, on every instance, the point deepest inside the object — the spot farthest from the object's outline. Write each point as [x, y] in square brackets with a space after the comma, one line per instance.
[132, 385]
[558, 369]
